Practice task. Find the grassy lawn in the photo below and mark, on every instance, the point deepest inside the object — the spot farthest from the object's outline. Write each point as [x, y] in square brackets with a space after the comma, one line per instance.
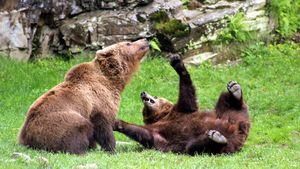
[270, 77]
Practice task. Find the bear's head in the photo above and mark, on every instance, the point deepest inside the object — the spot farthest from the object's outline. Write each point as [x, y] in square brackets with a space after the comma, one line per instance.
[155, 108]
[119, 61]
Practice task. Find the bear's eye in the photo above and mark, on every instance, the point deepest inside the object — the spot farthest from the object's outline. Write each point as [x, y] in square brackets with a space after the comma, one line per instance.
[152, 101]
[155, 97]
[128, 44]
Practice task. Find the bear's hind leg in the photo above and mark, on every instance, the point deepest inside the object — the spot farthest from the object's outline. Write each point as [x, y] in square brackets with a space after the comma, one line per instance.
[77, 144]
[216, 136]
[57, 132]
[203, 144]
[103, 132]
[231, 100]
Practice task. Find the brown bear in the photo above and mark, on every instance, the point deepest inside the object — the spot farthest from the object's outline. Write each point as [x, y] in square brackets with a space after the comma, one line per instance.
[80, 112]
[183, 128]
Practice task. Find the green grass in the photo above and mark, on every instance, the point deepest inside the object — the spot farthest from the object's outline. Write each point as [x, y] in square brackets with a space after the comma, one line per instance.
[270, 77]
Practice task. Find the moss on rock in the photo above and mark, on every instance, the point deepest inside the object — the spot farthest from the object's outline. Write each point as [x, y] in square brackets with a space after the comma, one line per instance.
[159, 16]
[173, 28]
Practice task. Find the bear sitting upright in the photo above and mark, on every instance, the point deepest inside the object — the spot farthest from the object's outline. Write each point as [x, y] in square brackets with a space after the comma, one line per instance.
[183, 128]
[80, 112]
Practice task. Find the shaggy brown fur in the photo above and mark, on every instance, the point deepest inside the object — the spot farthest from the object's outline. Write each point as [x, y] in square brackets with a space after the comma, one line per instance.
[77, 113]
[182, 128]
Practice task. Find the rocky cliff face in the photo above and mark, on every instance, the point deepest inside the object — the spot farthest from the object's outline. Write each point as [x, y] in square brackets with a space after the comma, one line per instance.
[33, 28]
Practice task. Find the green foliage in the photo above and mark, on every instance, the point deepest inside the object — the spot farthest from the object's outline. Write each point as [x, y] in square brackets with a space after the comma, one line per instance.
[173, 27]
[185, 3]
[269, 76]
[287, 14]
[154, 43]
[159, 16]
[235, 31]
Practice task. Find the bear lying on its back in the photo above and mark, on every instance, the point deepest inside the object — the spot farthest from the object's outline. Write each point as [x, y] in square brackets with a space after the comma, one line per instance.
[182, 128]
[77, 113]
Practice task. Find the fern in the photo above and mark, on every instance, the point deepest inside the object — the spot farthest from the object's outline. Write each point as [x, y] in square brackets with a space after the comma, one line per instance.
[235, 30]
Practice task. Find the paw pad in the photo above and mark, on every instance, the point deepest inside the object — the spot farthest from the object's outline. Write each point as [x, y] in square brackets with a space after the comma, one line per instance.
[235, 89]
[216, 136]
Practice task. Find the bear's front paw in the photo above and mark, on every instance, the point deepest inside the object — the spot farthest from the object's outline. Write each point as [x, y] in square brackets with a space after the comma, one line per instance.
[117, 125]
[235, 89]
[216, 136]
[174, 60]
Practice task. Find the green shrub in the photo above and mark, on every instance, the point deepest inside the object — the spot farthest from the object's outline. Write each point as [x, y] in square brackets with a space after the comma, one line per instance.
[287, 15]
[235, 31]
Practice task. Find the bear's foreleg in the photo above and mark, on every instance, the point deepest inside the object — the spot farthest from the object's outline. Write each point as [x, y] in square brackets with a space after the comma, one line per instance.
[187, 100]
[135, 132]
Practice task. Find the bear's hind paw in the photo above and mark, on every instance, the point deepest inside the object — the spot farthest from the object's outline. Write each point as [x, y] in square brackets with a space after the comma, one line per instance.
[235, 89]
[216, 136]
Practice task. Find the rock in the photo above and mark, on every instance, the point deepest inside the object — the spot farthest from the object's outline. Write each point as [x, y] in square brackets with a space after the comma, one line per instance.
[156, 5]
[200, 58]
[43, 160]
[256, 4]
[210, 1]
[14, 35]
[36, 29]
[22, 156]
[296, 37]
[124, 143]
[102, 28]
[207, 21]
[255, 14]
[47, 39]
[222, 5]
[216, 15]
[259, 24]
[87, 166]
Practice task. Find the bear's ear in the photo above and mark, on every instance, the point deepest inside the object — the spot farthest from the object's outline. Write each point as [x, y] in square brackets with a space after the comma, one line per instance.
[104, 53]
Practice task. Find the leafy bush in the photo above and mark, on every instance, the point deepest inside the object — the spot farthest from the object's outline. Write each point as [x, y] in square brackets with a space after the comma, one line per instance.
[287, 15]
[235, 31]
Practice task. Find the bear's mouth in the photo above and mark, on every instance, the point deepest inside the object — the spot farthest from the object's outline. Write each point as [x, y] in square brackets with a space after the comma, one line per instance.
[147, 98]
[144, 48]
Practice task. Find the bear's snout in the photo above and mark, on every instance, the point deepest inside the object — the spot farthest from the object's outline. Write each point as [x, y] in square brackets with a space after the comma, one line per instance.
[143, 94]
[147, 98]
[143, 43]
